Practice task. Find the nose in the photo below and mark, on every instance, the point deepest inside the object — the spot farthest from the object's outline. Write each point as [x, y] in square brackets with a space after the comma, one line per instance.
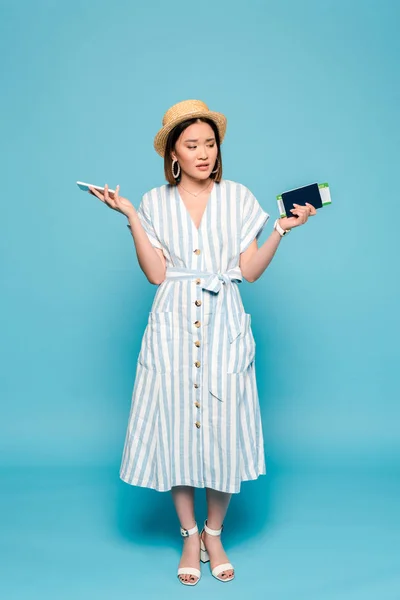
[203, 154]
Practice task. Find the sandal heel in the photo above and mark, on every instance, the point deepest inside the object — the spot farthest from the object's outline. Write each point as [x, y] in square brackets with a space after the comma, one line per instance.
[204, 554]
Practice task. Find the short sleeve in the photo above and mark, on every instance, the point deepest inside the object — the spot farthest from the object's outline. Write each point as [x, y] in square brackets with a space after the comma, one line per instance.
[254, 219]
[144, 214]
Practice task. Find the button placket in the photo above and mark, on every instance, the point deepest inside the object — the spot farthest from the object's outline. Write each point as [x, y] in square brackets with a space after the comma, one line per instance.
[197, 324]
[197, 332]
[197, 363]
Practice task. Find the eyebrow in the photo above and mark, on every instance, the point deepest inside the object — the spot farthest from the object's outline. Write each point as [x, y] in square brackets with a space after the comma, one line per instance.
[207, 140]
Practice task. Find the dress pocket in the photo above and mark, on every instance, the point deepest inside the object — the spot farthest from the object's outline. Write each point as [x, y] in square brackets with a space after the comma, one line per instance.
[156, 349]
[243, 348]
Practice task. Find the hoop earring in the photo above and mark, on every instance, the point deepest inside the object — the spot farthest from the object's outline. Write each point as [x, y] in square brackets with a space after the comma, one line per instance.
[174, 162]
[216, 170]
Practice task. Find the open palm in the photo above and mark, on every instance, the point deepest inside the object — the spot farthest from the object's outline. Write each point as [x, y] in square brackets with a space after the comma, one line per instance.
[113, 200]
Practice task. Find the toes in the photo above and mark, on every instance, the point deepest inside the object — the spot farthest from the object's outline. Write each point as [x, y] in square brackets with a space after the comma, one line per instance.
[188, 578]
[227, 574]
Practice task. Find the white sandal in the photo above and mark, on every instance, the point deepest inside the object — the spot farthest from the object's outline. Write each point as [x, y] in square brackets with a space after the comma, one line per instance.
[204, 557]
[189, 570]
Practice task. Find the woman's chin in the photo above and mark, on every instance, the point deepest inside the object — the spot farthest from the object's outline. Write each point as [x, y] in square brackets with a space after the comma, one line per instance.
[200, 175]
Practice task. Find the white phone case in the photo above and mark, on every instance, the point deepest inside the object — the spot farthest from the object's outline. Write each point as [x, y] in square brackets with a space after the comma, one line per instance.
[85, 187]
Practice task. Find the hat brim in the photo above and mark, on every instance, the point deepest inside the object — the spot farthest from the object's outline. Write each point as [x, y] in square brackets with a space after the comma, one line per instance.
[161, 137]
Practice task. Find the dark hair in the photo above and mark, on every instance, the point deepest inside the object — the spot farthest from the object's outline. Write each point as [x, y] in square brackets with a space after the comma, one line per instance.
[170, 146]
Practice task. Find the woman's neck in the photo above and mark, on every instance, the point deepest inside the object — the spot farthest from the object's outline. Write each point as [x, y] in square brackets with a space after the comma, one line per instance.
[193, 184]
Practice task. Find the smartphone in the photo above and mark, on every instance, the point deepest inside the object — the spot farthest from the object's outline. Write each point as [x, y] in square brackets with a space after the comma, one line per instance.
[85, 187]
[317, 194]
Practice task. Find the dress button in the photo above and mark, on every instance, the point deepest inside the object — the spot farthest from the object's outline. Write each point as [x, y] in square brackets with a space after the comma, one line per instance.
[197, 251]
[197, 343]
[197, 323]
[197, 363]
[198, 302]
[197, 404]
[198, 281]
[197, 424]
[196, 385]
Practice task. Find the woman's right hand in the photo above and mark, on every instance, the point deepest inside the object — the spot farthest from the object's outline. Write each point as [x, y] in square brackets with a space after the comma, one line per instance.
[114, 200]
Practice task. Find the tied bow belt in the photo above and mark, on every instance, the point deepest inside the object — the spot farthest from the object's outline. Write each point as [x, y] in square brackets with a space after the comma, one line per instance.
[217, 283]
[227, 313]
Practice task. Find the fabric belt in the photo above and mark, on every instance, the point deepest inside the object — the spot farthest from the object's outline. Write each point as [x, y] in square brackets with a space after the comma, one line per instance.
[216, 283]
[227, 313]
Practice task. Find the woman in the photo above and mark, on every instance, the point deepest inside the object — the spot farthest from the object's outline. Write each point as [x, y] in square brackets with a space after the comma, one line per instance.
[195, 418]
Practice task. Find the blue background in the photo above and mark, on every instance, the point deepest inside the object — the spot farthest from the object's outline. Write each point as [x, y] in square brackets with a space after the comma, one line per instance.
[311, 93]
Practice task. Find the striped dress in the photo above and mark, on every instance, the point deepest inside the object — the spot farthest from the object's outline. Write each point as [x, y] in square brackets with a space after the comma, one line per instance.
[195, 415]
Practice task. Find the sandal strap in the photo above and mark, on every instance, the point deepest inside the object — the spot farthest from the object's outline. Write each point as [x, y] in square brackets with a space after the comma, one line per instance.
[221, 568]
[189, 571]
[212, 531]
[186, 532]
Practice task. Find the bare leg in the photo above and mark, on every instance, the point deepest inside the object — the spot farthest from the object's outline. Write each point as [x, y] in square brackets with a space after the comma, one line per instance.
[183, 498]
[218, 503]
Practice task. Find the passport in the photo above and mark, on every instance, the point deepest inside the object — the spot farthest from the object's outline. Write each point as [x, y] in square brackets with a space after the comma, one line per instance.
[317, 194]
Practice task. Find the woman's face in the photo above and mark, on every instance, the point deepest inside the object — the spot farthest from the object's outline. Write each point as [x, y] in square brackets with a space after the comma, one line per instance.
[195, 147]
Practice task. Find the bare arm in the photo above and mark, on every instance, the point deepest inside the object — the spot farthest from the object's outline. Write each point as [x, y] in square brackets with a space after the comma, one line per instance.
[253, 261]
[151, 259]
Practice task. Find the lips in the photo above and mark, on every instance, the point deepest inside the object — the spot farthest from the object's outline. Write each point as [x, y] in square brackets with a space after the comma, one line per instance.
[203, 166]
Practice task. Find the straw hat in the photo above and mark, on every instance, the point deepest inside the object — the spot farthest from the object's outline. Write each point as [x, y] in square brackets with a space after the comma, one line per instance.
[187, 109]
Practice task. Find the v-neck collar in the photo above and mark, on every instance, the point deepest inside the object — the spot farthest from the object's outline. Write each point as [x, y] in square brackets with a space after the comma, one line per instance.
[197, 229]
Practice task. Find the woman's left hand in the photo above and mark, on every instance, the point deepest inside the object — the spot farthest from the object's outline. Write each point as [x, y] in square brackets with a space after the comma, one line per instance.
[303, 213]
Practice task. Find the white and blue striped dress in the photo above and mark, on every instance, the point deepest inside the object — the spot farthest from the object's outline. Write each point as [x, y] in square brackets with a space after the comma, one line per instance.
[195, 415]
